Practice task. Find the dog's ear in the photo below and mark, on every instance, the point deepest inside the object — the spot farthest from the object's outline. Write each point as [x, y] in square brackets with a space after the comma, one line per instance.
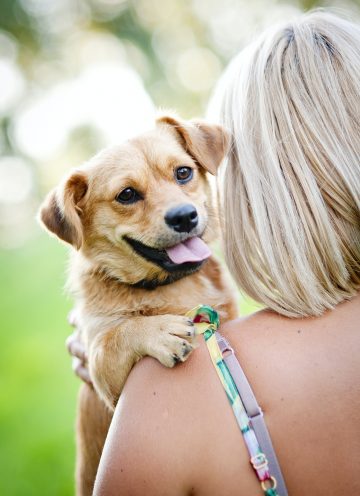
[60, 213]
[206, 143]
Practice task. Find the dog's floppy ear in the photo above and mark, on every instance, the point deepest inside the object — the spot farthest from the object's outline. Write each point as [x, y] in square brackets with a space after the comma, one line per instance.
[206, 143]
[60, 212]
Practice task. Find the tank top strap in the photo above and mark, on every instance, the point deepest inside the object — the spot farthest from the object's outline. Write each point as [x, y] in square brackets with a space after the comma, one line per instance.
[248, 413]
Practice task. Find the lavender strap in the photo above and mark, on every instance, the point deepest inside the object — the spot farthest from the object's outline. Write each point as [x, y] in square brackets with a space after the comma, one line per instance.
[253, 410]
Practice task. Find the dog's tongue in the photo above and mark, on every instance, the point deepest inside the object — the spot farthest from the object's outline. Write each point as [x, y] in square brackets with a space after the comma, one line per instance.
[191, 250]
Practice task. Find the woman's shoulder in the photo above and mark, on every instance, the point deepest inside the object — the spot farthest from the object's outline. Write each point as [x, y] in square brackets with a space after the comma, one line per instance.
[294, 357]
[275, 334]
[168, 433]
[174, 427]
[178, 423]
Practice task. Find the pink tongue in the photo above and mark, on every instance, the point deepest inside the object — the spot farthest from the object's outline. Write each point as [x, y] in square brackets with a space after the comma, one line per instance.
[191, 250]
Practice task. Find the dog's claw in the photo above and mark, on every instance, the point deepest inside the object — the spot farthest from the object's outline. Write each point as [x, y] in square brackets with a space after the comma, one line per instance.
[175, 343]
[176, 358]
[186, 349]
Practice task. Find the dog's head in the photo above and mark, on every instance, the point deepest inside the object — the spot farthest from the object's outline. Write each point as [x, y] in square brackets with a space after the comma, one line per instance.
[142, 211]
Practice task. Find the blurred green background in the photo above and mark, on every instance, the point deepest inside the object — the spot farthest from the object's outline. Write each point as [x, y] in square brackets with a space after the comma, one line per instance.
[76, 75]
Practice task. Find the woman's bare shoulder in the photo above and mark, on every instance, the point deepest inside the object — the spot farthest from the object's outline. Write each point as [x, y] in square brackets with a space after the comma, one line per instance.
[266, 327]
[165, 422]
[167, 419]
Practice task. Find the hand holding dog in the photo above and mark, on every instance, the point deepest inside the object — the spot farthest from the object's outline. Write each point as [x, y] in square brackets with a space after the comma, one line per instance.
[77, 351]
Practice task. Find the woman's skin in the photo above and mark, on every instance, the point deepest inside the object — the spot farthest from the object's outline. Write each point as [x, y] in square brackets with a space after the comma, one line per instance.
[174, 433]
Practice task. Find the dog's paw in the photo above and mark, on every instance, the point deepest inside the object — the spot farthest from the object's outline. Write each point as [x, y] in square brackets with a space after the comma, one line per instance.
[173, 341]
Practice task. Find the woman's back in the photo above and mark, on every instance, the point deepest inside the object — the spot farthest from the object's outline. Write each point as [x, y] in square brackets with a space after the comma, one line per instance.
[179, 436]
[306, 376]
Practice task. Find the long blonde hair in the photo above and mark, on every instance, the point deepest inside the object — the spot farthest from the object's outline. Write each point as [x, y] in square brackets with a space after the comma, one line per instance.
[290, 187]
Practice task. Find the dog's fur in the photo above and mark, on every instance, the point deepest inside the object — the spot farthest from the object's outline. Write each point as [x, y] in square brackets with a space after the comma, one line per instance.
[129, 306]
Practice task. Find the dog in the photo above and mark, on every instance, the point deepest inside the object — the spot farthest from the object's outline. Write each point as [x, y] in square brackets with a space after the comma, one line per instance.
[139, 217]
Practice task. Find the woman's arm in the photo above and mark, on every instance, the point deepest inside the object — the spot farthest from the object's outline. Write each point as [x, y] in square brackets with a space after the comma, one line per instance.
[147, 449]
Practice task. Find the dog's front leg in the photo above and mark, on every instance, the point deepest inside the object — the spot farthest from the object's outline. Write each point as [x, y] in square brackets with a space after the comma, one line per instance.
[112, 353]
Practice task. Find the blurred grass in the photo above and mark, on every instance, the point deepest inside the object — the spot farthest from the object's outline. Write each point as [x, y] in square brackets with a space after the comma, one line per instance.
[37, 387]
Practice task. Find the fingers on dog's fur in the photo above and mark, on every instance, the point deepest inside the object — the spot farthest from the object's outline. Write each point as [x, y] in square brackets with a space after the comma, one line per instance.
[75, 347]
[80, 370]
[72, 318]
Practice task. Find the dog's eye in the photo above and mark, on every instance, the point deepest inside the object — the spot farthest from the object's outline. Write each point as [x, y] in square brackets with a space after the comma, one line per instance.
[128, 195]
[183, 174]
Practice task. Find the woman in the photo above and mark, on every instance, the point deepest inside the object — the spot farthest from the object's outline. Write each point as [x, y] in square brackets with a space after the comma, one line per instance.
[290, 197]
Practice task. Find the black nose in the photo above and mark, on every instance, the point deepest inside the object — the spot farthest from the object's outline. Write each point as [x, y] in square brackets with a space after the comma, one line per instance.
[182, 218]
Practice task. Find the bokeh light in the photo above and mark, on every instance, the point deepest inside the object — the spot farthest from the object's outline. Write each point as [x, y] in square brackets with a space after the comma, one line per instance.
[15, 180]
[108, 97]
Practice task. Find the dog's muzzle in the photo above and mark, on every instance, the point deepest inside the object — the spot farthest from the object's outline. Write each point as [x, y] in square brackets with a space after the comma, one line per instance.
[161, 258]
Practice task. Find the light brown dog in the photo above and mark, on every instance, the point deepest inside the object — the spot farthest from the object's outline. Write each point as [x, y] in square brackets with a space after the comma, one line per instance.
[140, 216]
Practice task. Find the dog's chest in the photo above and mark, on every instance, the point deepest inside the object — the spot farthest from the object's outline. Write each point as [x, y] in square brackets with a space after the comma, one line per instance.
[106, 302]
[178, 298]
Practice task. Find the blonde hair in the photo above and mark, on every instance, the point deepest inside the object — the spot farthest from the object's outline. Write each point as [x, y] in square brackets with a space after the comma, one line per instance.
[290, 187]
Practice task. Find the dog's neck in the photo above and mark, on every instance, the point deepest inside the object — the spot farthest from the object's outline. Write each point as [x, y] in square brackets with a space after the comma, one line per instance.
[151, 284]
[104, 295]
[148, 284]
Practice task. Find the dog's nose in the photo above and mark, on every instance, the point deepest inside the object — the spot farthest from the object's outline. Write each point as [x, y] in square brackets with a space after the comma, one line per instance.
[182, 218]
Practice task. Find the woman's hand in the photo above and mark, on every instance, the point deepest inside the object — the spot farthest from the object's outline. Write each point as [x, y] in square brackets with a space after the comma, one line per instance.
[77, 351]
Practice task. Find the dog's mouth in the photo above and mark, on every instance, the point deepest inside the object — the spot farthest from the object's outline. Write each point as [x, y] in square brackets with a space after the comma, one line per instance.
[185, 257]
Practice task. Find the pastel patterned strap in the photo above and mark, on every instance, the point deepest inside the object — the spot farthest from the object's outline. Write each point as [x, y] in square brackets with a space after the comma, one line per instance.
[206, 322]
[253, 410]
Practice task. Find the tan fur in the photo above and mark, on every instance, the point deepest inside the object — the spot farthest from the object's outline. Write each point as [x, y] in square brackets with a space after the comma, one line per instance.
[121, 323]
